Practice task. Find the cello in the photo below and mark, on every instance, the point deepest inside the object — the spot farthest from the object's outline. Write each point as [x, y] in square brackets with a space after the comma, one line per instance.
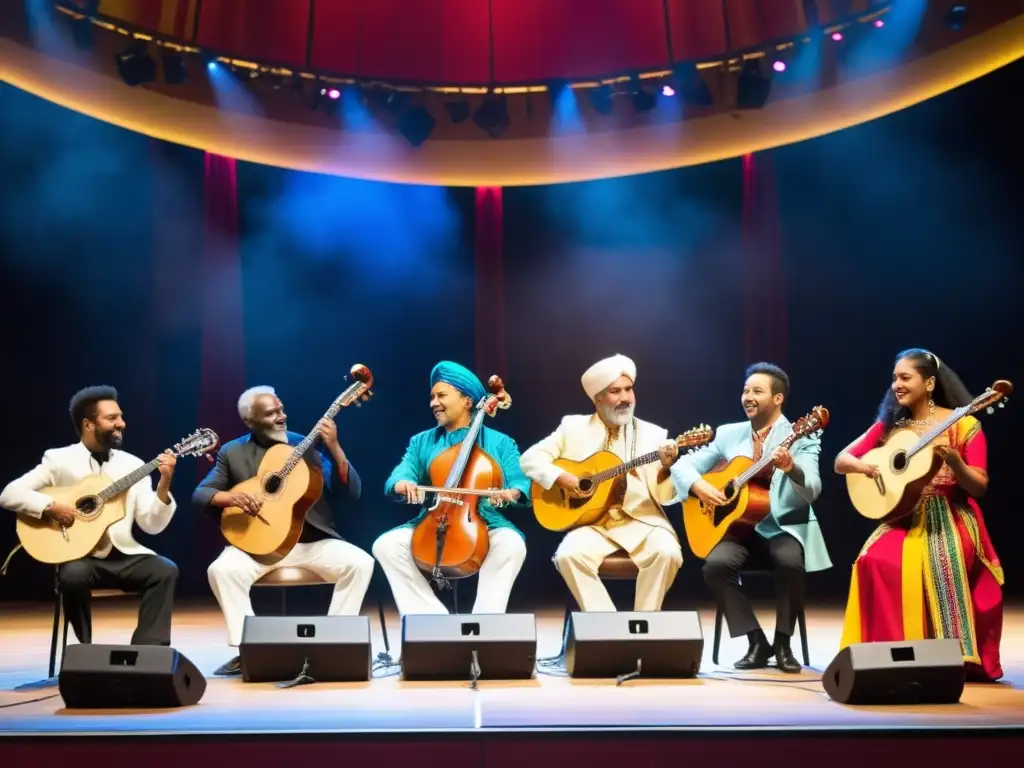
[451, 541]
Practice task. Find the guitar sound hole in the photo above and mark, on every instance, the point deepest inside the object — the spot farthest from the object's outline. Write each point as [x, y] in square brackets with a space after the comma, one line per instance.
[899, 461]
[586, 485]
[86, 506]
[272, 484]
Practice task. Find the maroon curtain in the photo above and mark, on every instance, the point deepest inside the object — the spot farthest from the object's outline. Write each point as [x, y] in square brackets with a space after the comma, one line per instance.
[765, 323]
[491, 356]
[223, 342]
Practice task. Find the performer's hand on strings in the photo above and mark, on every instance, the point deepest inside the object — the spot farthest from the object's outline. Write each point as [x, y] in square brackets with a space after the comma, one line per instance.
[413, 495]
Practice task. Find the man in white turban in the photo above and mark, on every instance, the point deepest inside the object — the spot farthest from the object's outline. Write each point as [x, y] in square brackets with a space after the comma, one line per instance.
[634, 521]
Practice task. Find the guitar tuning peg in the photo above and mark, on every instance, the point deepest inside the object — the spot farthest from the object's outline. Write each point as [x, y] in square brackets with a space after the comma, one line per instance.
[1002, 404]
[990, 410]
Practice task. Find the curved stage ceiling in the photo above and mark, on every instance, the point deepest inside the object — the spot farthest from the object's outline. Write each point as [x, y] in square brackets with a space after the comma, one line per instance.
[532, 152]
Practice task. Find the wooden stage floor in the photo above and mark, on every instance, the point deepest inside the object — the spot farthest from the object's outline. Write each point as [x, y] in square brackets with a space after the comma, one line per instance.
[718, 699]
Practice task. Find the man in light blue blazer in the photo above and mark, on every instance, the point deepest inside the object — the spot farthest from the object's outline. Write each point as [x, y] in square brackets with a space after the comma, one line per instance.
[788, 539]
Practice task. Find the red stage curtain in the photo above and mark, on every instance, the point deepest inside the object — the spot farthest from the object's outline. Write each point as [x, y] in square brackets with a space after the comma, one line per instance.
[222, 378]
[541, 39]
[765, 323]
[491, 354]
[272, 31]
[698, 29]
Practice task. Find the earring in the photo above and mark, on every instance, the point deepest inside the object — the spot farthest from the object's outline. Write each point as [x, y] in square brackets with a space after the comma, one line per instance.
[931, 407]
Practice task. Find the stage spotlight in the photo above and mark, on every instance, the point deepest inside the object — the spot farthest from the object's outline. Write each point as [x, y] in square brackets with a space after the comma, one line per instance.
[956, 16]
[175, 72]
[601, 99]
[752, 87]
[458, 111]
[492, 116]
[837, 37]
[416, 125]
[135, 65]
[668, 90]
[779, 66]
[879, 23]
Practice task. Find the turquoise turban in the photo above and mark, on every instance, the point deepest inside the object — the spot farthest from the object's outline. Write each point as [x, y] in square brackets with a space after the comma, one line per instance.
[459, 377]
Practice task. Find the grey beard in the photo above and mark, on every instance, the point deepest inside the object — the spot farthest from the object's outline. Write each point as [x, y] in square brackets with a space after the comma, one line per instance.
[612, 416]
[278, 435]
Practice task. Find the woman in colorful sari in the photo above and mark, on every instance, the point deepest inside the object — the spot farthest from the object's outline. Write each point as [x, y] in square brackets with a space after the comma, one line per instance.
[933, 573]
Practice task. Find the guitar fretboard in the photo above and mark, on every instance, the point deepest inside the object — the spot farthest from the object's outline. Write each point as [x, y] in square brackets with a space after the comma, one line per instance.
[937, 430]
[646, 458]
[120, 486]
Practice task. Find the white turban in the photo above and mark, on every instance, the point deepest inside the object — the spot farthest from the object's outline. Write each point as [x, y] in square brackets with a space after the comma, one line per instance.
[602, 373]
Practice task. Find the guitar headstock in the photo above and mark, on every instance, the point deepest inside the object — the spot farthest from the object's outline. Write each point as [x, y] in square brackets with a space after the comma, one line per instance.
[813, 422]
[997, 394]
[359, 391]
[498, 398]
[196, 444]
[692, 438]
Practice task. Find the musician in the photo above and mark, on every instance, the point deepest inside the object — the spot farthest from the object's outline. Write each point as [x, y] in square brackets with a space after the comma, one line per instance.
[118, 560]
[934, 572]
[454, 393]
[635, 523]
[320, 548]
[788, 539]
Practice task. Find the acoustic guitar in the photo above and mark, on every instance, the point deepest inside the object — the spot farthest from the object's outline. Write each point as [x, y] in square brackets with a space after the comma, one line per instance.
[747, 502]
[287, 486]
[99, 502]
[907, 462]
[558, 510]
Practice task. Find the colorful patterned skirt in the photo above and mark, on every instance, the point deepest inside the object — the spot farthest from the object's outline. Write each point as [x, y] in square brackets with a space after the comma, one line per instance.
[928, 578]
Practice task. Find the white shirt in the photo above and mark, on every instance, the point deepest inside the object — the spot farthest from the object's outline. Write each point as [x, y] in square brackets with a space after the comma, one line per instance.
[68, 466]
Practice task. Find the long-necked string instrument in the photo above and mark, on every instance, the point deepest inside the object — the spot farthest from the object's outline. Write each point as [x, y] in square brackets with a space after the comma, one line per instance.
[451, 542]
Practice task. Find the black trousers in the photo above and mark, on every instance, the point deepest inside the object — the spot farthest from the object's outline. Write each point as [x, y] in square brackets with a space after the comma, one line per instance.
[151, 575]
[782, 553]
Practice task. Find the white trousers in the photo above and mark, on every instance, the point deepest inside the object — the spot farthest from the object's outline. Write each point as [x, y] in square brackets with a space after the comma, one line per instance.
[412, 591]
[579, 556]
[337, 562]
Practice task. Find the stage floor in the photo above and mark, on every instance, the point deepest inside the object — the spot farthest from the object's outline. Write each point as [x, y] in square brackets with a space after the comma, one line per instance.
[718, 699]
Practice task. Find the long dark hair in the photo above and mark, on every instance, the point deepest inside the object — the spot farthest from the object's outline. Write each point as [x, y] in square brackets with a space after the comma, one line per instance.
[949, 391]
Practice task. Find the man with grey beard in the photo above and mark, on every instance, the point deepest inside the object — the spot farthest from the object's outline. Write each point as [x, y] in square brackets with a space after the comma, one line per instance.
[634, 522]
[320, 548]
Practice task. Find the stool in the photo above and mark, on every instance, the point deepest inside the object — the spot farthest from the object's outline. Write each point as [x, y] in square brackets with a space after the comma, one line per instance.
[615, 567]
[801, 621]
[293, 576]
[58, 613]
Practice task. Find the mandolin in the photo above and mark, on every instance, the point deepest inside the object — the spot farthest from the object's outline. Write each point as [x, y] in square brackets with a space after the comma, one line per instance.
[99, 502]
[907, 462]
[451, 540]
[747, 502]
[558, 510]
[287, 486]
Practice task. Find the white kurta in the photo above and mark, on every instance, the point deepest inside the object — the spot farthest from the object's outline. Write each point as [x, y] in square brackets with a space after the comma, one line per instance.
[639, 526]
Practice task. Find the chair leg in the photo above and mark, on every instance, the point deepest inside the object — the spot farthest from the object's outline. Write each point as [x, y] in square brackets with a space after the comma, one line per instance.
[56, 625]
[718, 636]
[802, 621]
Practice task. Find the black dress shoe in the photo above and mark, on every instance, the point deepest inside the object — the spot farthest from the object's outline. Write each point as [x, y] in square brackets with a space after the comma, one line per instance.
[784, 658]
[231, 668]
[757, 655]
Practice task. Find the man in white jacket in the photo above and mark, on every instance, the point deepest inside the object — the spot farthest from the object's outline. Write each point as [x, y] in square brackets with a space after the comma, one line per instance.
[118, 561]
[634, 523]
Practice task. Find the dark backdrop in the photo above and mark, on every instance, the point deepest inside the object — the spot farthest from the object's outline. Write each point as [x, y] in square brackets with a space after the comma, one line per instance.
[902, 232]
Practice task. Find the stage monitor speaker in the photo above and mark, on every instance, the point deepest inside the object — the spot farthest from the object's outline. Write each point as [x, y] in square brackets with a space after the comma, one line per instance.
[323, 648]
[630, 644]
[469, 646]
[910, 672]
[135, 676]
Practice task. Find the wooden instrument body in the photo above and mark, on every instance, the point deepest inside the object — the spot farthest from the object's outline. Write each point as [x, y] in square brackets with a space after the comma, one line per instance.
[557, 510]
[44, 541]
[747, 506]
[465, 539]
[897, 489]
[286, 500]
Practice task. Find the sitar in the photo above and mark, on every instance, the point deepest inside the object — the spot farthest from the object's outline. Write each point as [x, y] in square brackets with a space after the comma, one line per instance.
[748, 503]
[451, 540]
[99, 503]
[908, 462]
[287, 486]
[558, 510]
